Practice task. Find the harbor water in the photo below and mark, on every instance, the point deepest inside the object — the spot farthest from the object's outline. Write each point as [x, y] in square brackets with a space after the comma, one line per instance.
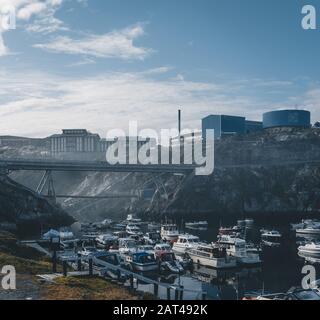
[280, 270]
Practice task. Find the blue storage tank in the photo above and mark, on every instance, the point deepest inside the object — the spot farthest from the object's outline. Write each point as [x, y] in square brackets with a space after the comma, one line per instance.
[287, 118]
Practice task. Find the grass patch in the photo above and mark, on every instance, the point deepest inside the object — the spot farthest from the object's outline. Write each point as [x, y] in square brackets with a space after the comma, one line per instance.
[25, 266]
[26, 260]
[84, 288]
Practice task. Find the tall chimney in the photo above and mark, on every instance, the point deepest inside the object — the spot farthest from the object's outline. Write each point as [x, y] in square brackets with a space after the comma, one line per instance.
[179, 121]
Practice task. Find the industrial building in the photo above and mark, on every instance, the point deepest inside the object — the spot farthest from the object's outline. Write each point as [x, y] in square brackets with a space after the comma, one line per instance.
[88, 145]
[74, 140]
[224, 125]
[287, 118]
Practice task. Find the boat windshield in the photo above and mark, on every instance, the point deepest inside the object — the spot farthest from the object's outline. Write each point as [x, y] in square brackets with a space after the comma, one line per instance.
[144, 258]
[189, 240]
[170, 228]
[216, 252]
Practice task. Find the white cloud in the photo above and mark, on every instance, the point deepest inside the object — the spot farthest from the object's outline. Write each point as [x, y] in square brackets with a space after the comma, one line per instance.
[39, 104]
[159, 70]
[116, 44]
[27, 11]
[39, 12]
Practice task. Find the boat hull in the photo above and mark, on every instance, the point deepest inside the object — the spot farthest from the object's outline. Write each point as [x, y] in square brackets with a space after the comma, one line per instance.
[249, 261]
[145, 267]
[217, 263]
[271, 244]
[179, 249]
[169, 237]
[308, 231]
[310, 253]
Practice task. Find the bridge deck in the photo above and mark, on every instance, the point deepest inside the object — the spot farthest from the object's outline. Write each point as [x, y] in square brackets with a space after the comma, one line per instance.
[57, 165]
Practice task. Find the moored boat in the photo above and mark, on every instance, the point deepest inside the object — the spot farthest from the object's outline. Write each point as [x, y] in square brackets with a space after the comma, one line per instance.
[141, 261]
[237, 248]
[184, 242]
[271, 238]
[133, 229]
[169, 232]
[309, 230]
[168, 262]
[211, 256]
[310, 250]
[304, 223]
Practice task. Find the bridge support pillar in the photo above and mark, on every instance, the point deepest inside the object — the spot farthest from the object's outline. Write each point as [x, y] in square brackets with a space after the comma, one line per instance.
[47, 180]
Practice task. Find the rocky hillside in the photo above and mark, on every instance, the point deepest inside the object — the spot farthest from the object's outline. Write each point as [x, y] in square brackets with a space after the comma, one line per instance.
[23, 212]
[271, 172]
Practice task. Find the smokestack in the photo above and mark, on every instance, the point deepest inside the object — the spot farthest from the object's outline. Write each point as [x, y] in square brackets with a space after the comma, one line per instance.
[179, 121]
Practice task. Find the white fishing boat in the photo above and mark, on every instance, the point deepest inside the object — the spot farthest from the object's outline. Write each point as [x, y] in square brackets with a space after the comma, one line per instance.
[304, 223]
[237, 248]
[211, 256]
[271, 238]
[184, 242]
[310, 250]
[133, 229]
[141, 261]
[169, 232]
[311, 229]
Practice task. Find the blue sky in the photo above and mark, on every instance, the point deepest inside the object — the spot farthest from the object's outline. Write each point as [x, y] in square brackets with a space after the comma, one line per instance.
[98, 64]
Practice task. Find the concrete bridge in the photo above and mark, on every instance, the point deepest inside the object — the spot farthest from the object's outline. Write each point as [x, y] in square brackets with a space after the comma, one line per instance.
[49, 166]
[94, 166]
